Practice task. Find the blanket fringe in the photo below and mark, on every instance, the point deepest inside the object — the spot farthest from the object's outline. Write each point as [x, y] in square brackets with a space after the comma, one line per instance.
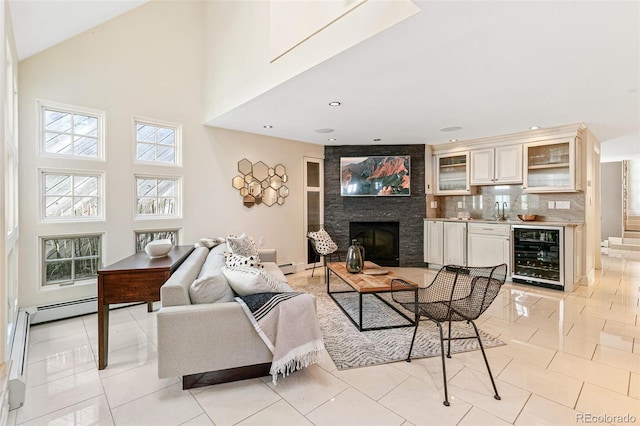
[298, 358]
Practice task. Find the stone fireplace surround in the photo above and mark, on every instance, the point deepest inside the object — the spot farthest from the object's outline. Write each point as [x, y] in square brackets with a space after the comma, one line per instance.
[408, 211]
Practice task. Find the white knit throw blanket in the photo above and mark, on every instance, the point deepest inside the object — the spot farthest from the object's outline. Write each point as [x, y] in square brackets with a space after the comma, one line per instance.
[288, 325]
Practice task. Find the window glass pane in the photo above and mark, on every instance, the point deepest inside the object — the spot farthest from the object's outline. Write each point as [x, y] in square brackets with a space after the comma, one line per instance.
[146, 187]
[145, 133]
[58, 271]
[145, 152]
[58, 249]
[85, 206]
[166, 206]
[85, 146]
[144, 238]
[85, 125]
[57, 184]
[166, 136]
[58, 206]
[166, 188]
[57, 121]
[57, 144]
[313, 174]
[86, 185]
[87, 246]
[86, 268]
[166, 154]
[146, 205]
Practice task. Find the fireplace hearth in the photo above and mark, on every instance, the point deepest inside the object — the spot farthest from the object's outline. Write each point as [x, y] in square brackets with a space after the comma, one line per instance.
[381, 241]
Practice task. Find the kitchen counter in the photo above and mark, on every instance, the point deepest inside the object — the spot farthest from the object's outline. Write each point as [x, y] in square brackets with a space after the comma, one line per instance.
[506, 222]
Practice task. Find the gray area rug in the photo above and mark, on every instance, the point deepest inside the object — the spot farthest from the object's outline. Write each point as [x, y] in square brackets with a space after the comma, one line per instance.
[350, 348]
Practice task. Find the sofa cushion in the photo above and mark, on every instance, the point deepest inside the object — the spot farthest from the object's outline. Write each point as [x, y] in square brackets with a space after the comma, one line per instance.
[246, 280]
[211, 286]
[242, 245]
[235, 260]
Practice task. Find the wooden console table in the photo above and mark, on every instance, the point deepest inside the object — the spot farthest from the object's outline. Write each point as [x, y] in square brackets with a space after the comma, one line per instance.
[136, 278]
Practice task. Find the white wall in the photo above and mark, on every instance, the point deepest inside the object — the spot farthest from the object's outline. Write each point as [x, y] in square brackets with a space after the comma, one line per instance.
[611, 186]
[149, 63]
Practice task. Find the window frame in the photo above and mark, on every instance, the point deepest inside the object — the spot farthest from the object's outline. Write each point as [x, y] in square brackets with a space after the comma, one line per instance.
[43, 105]
[158, 123]
[42, 286]
[42, 172]
[177, 191]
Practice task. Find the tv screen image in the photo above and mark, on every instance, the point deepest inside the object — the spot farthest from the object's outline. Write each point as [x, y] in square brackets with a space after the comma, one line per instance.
[375, 176]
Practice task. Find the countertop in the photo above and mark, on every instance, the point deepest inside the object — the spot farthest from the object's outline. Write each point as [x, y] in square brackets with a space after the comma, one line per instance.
[507, 222]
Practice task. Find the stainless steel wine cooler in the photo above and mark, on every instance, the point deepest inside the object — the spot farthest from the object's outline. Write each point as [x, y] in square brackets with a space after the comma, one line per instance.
[538, 255]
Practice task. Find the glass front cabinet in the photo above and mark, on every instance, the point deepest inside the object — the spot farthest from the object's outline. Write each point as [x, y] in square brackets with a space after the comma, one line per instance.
[553, 166]
[452, 173]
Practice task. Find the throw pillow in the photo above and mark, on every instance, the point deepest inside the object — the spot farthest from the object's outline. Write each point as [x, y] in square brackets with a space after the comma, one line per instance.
[245, 280]
[242, 245]
[211, 289]
[235, 260]
[324, 243]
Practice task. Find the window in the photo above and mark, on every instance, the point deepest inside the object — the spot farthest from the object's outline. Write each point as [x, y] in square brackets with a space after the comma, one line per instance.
[157, 196]
[68, 260]
[157, 143]
[71, 131]
[71, 195]
[145, 237]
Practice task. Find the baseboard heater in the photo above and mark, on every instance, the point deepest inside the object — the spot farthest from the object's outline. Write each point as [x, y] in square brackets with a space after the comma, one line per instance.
[19, 347]
[287, 268]
[73, 308]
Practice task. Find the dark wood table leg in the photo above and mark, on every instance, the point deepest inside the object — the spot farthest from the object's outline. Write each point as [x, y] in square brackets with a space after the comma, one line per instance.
[149, 306]
[103, 336]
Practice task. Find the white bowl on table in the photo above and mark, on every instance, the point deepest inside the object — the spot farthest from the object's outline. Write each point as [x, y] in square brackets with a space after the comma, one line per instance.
[158, 248]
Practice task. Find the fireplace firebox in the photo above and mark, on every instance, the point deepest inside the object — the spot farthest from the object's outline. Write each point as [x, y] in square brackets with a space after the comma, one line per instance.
[381, 241]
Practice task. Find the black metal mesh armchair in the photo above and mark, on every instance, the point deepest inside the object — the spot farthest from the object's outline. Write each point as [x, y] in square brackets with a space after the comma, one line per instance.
[457, 293]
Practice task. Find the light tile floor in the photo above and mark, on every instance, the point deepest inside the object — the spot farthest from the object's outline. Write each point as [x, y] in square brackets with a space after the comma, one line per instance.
[566, 356]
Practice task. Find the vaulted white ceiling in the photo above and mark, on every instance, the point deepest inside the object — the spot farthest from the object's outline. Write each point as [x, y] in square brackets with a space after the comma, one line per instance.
[489, 67]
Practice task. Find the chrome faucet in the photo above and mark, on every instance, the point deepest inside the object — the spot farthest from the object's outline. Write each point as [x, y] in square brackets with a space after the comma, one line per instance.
[500, 217]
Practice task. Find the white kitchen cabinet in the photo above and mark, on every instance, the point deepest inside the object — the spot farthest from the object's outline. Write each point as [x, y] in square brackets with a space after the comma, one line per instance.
[496, 166]
[433, 241]
[452, 173]
[455, 243]
[553, 166]
[489, 244]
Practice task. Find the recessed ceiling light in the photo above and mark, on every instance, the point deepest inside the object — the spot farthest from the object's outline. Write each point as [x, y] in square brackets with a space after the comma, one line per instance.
[268, 126]
[334, 103]
[534, 127]
[453, 140]
[451, 129]
[323, 130]
[331, 139]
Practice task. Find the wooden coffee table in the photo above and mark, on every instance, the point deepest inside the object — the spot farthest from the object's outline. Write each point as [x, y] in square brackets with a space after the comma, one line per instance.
[365, 284]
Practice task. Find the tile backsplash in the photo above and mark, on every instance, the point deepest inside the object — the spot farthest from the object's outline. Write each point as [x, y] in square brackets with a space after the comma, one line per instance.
[483, 204]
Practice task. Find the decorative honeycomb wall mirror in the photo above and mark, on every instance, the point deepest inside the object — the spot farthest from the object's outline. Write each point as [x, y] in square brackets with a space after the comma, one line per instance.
[261, 184]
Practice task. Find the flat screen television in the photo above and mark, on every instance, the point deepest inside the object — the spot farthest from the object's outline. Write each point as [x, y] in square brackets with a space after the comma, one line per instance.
[375, 176]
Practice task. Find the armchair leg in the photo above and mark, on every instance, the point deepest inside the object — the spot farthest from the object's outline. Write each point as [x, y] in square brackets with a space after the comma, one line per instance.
[314, 265]
[444, 368]
[415, 331]
[449, 342]
[496, 396]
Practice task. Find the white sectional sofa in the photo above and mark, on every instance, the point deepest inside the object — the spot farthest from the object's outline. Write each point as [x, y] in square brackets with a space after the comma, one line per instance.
[209, 343]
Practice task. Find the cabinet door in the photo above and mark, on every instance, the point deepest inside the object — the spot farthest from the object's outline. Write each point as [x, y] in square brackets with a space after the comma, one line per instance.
[489, 250]
[550, 166]
[452, 173]
[482, 167]
[455, 243]
[508, 164]
[433, 242]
